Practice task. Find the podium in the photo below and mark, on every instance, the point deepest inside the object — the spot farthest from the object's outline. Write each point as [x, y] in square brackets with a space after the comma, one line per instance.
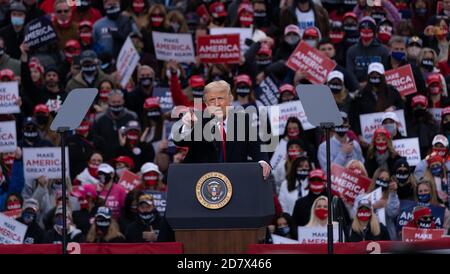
[218, 208]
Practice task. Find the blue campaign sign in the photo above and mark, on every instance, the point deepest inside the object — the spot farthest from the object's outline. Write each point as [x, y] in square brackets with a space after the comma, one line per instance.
[165, 98]
[39, 32]
[267, 92]
[407, 207]
[160, 199]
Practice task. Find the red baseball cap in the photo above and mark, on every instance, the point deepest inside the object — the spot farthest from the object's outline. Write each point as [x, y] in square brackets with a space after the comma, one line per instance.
[243, 78]
[351, 15]
[292, 29]
[317, 173]
[420, 212]
[217, 9]
[41, 108]
[419, 100]
[7, 73]
[126, 160]
[311, 32]
[434, 78]
[381, 130]
[151, 102]
[287, 87]
[196, 81]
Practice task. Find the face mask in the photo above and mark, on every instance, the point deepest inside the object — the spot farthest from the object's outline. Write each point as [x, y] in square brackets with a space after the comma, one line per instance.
[243, 91]
[175, 26]
[28, 217]
[150, 179]
[146, 81]
[434, 90]
[154, 114]
[375, 80]
[83, 129]
[311, 42]
[157, 21]
[116, 110]
[337, 37]
[363, 215]
[321, 213]
[382, 183]
[89, 70]
[284, 230]
[13, 205]
[120, 171]
[84, 203]
[302, 174]
[378, 16]
[441, 151]
[421, 12]
[420, 112]
[392, 128]
[17, 21]
[293, 133]
[263, 62]
[381, 147]
[138, 7]
[316, 187]
[413, 52]
[366, 35]
[425, 222]
[113, 12]
[147, 217]
[402, 176]
[31, 135]
[41, 119]
[246, 20]
[197, 92]
[102, 223]
[424, 198]
[260, 18]
[436, 171]
[132, 138]
[335, 89]
[293, 153]
[398, 55]
[428, 64]
[292, 40]
[8, 161]
[104, 178]
[93, 170]
[350, 28]
[384, 35]
[341, 131]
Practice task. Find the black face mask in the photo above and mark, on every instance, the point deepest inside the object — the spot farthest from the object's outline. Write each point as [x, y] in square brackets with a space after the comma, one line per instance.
[147, 217]
[197, 92]
[378, 17]
[84, 5]
[341, 131]
[382, 183]
[219, 21]
[402, 177]
[41, 119]
[424, 224]
[146, 81]
[154, 114]
[420, 112]
[89, 70]
[31, 135]
[113, 12]
[243, 91]
[335, 88]
[116, 110]
[427, 64]
[375, 80]
[103, 225]
[28, 217]
[260, 18]
[302, 174]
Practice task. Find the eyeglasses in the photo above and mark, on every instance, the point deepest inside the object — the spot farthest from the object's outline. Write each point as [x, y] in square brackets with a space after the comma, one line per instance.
[63, 11]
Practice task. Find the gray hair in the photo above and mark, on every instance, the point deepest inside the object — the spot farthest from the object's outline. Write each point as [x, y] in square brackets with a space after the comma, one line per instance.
[115, 92]
[397, 39]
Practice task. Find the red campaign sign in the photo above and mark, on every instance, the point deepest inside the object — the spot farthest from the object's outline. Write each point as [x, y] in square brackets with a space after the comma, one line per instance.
[346, 184]
[439, 7]
[15, 213]
[129, 180]
[402, 79]
[412, 234]
[224, 48]
[316, 65]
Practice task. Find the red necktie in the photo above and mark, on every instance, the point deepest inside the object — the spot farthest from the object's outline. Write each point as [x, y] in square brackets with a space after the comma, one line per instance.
[224, 142]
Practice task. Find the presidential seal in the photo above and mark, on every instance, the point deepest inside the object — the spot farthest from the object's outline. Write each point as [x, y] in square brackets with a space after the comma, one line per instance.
[214, 190]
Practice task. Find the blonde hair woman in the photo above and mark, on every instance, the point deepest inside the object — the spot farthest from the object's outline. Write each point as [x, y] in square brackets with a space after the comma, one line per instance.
[357, 167]
[104, 229]
[381, 152]
[436, 173]
[176, 22]
[365, 226]
[319, 212]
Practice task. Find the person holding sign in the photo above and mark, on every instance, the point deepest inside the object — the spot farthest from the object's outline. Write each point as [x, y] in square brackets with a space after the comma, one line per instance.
[319, 213]
[381, 152]
[34, 234]
[292, 37]
[423, 218]
[335, 82]
[391, 123]
[111, 195]
[422, 123]
[365, 226]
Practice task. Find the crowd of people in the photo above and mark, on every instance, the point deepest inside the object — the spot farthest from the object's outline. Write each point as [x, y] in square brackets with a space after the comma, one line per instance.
[127, 129]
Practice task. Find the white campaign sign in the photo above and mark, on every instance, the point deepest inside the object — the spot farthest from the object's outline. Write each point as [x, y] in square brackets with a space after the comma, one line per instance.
[127, 61]
[370, 122]
[316, 235]
[11, 231]
[43, 161]
[244, 33]
[173, 46]
[8, 137]
[276, 239]
[408, 148]
[279, 156]
[279, 114]
[373, 197]
[9, 94]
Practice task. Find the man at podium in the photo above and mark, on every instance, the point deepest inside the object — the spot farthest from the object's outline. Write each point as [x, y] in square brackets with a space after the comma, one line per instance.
[225, 132]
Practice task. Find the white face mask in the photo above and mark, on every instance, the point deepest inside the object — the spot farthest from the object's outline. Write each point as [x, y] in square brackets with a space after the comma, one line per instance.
[312, 43]
[292, 39]
[120, 171]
